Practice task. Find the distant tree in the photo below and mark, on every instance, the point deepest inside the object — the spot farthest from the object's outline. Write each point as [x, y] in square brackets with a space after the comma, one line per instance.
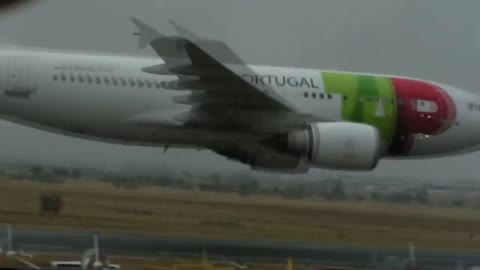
[76, 173]
[19, 176]
[294, 191]
[215, 178]
[60, 172]
[182, 183]
[421, 195]
[248, 186]
[51, 204]
[116, 183]
[54, 180]
[276, 190]
[458, 203]
[400, 197]
[358, 198]
[164, 181]
[338, 190]
[130, 182]
[375, 196]
[36, 170]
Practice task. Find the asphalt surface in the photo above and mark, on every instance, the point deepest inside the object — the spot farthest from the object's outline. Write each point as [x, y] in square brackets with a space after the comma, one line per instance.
[239, 251]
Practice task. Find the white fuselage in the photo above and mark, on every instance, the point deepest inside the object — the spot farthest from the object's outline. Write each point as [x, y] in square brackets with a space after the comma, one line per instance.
[110, 98]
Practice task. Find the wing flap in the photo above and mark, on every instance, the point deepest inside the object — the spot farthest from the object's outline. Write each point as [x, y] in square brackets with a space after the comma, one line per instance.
[187, 55]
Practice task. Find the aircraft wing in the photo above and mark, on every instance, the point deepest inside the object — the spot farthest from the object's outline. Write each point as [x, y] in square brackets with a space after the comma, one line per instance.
[212, 73]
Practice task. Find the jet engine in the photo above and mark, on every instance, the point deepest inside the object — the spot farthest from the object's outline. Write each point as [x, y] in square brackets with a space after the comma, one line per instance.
[333, 145]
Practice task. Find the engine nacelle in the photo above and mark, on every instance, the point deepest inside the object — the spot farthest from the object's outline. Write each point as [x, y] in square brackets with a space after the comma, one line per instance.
[335, 145]
[266, 161]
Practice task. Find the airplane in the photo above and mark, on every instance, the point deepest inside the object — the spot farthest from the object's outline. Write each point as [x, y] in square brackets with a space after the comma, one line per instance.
[199, 94]
[92, 260]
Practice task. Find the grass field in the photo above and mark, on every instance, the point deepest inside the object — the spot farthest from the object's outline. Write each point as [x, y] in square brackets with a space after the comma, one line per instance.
[157, 211]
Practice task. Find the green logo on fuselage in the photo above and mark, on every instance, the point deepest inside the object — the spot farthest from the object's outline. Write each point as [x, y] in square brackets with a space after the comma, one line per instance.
[367, 99]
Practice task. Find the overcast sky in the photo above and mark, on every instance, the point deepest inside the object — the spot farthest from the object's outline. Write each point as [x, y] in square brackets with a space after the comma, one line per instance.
[431, 39]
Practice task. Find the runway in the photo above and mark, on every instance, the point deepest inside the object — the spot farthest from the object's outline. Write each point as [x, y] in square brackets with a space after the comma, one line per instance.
[240, 251]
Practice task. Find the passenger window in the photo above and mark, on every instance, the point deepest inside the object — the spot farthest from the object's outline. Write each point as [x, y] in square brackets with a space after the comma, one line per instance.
[106, 80]
[89, 79]
[63, 77]
[314, 95]
[114, 81]
[55, 77]
[305, 94]
[98, 80]
[72, 78]
[329, 96]
[81, 79]
[148, 83]
[321, 95]
[132, 82]
[474, 107]
[158, 85]
[140, 82]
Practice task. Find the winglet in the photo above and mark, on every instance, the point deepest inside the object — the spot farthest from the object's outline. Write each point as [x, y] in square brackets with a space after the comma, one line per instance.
[182, 31]
[146, 35]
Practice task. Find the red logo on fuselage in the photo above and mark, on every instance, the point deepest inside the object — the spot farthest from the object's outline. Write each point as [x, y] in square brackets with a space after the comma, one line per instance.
[423, 107]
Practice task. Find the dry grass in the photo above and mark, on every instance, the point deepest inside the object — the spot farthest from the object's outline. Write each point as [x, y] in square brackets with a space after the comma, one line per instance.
[97, 206]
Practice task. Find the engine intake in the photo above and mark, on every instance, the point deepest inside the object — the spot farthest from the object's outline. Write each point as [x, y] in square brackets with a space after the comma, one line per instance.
[334, 145]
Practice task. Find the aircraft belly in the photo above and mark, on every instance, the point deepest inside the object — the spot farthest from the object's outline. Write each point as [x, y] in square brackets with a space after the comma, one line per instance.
[141, 136]
[98, 116]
